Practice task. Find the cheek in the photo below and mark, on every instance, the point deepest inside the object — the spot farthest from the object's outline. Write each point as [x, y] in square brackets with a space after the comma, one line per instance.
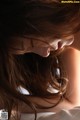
[44, 51]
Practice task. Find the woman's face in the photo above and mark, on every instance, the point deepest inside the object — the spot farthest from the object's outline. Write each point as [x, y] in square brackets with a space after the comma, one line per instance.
[40, 46]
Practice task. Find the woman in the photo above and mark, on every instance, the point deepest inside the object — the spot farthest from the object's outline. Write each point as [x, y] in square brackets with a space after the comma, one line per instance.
[34, 54]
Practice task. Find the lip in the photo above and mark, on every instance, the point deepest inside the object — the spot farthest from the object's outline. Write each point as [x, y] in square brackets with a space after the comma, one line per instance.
[66, 42]
[59, 45]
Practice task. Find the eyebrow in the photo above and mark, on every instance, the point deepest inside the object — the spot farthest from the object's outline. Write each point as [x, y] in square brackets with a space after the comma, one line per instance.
[36, 39]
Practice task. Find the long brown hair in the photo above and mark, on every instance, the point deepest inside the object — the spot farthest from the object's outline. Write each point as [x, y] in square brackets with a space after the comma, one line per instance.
[31, 71]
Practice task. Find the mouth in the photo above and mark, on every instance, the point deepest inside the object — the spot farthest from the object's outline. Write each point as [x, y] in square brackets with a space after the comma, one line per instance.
[59, 45]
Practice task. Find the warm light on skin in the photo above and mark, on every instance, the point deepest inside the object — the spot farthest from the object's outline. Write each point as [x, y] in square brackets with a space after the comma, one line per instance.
[71, 62]
[40, 46]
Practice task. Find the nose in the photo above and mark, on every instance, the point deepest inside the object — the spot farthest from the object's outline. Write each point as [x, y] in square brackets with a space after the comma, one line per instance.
[44, 51]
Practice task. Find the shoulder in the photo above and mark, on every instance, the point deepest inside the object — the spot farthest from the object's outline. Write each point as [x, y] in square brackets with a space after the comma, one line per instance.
[71, 56]
[70, 51]
[71, 61]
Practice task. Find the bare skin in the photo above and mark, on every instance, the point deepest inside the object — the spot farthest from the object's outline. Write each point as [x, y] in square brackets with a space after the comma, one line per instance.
[71, 61]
